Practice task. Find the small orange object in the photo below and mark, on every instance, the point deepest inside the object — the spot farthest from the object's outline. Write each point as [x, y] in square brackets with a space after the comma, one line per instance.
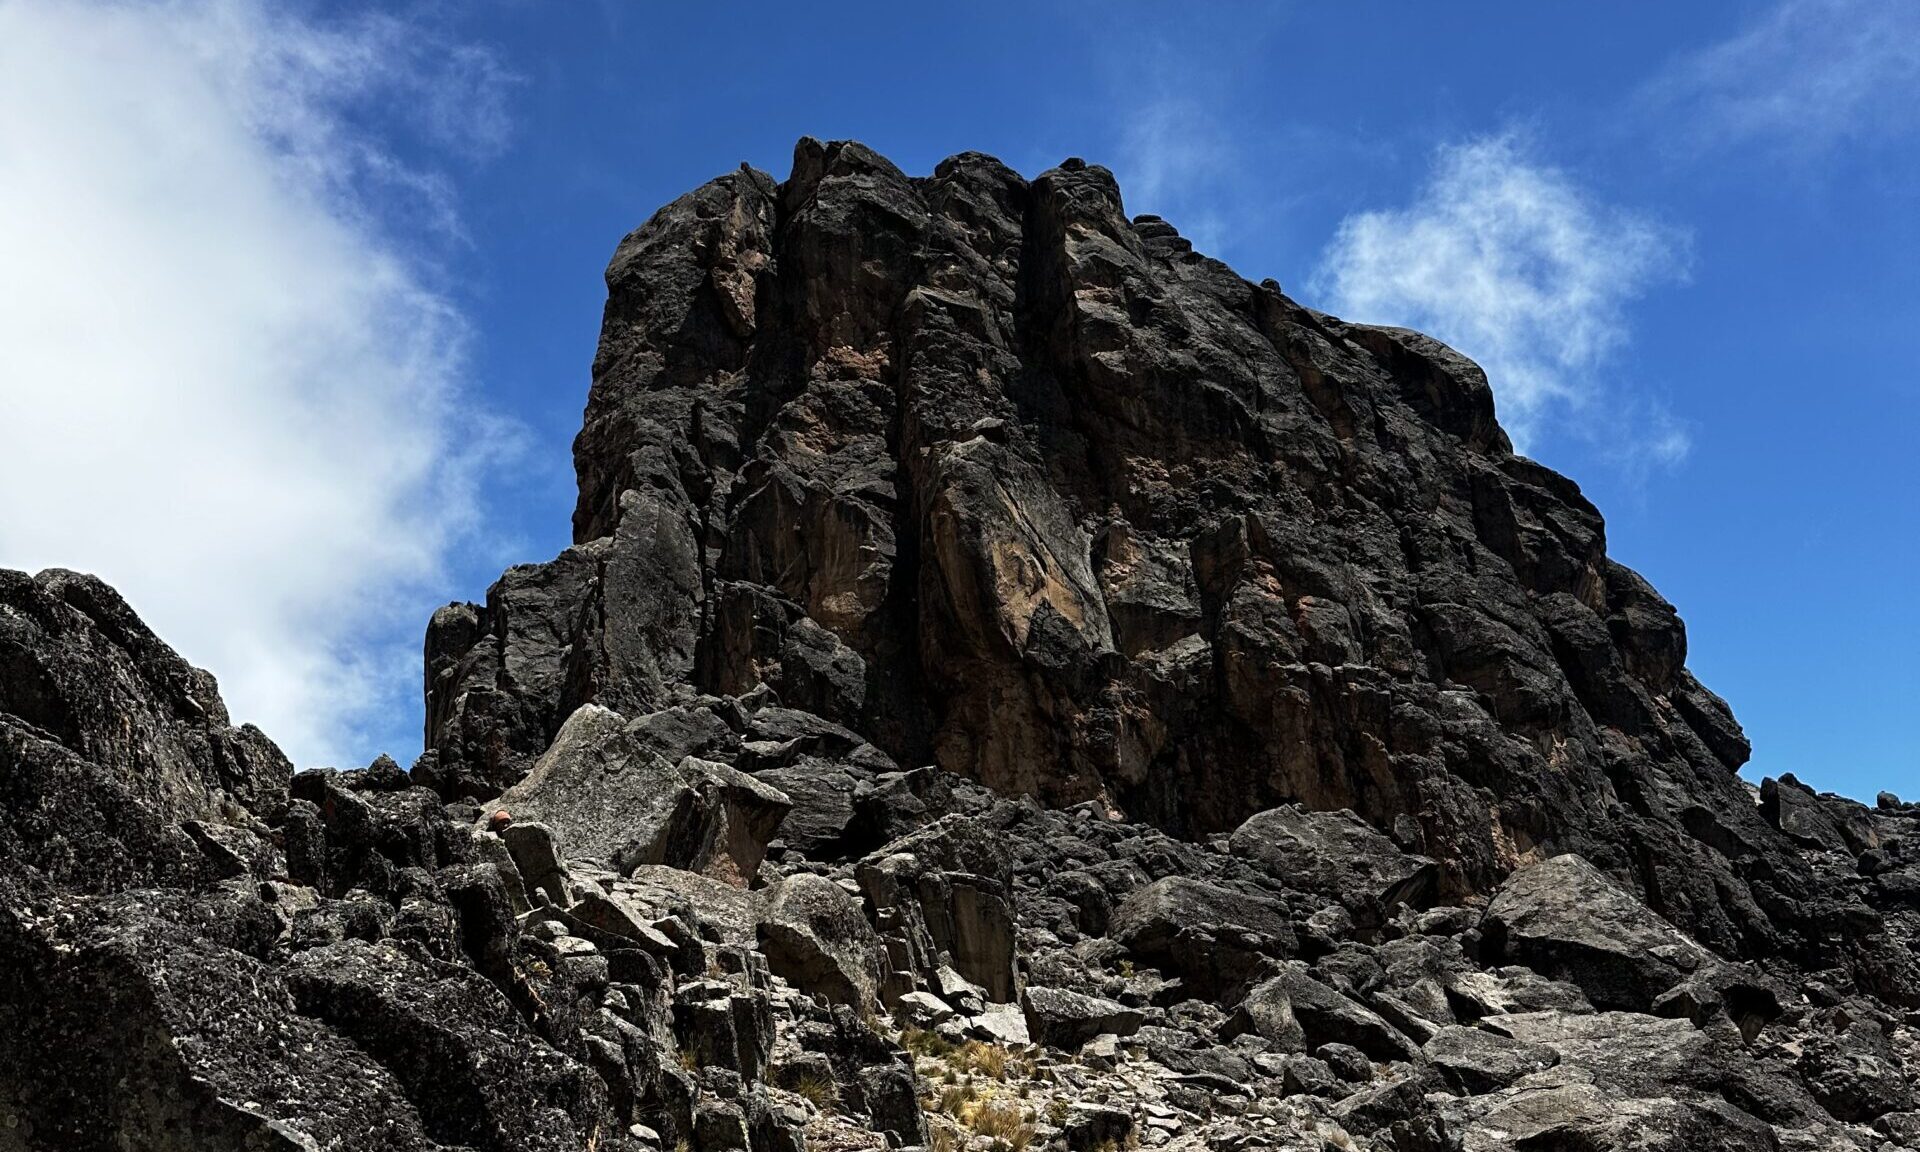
[499, 820]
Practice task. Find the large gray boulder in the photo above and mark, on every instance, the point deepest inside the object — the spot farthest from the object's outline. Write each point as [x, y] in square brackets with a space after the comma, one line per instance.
[610, 799]
[823, 804]
[1475, 1060]
[1061, 1018]
[817, 937]
[1567, 920]
[1337, 856]
[1216, 939]
[1294, 998]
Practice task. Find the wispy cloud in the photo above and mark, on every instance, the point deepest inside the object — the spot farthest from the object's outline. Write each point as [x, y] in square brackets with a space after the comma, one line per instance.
[1516, 265]
[1178, 162]
[1808, 76]
[226, 385]
[1191, 140]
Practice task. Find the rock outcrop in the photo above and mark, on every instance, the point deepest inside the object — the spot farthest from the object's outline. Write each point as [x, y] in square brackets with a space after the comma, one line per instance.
[991, 475]
[1015, 682]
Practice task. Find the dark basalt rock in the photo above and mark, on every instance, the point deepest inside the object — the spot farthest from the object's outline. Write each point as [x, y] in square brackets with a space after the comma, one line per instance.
[1565, 919]
[111, 742]
[1338, 856]
[991, 475]
[1014, 681]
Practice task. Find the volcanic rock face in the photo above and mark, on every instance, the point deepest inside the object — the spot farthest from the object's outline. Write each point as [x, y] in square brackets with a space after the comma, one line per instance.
[119, 755]
[993, 476]
[1015, 682]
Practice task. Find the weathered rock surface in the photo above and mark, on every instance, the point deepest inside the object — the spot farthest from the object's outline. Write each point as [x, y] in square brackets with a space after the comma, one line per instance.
[610, 798]
[1336, 855]
[1062, 1019]
[114, 746]
[818, 937]
[1566, 920]
[989, 474]
[1015, 684]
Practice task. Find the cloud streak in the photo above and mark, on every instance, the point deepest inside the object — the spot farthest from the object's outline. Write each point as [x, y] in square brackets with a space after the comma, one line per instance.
[224, 386]
[1808, 77]
[1517, 266]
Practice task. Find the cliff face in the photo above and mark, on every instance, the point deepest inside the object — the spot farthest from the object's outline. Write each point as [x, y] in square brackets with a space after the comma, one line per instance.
[1015, 684]
[1002, 480]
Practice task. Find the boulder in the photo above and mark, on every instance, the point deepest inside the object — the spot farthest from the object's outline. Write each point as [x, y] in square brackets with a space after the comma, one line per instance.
[1566, 1108]
[1346, 1062]
[1852, 1068]
[923, 1009]
[1393, 1100]
[1002, 1024]
[1567, 920]
[943, 896]
[1322, 1014]
[1633, 1053]
[537, 857]
[1064, 1019]
[817, 937]
[1337, 856]
[724, 1024]
[1267, 1012]
[616, 915]
[822, 793]
[611, 800]
[1474, 1060]
[1215, 938]
[1302, 1075]
[1089, 1127]
[1493, 992]
[887, 1093]
[1801, 815]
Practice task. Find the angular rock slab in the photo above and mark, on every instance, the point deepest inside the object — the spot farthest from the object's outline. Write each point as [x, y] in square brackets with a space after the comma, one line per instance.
[1567, 920]
[1336, 855]
[1060, 1018]
[944, 896]
[1293, 997]
[1215, 938]
[613, 801]
[817, 937]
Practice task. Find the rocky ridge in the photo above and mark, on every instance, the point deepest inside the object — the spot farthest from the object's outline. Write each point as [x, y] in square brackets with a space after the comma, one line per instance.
[1015, 682]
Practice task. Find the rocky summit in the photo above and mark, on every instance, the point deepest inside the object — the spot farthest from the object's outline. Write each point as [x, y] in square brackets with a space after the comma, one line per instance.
[1015, 683]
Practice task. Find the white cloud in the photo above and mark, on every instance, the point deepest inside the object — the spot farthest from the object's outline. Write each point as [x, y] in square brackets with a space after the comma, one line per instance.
[223, 386]
[1177, 162]
[1809, 75]
[1515, 265]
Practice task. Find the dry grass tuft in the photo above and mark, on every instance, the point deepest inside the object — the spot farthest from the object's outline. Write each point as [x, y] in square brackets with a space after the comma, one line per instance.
[921, 1042]
[1005, 1123]
[986, 1059]
[818, 1090]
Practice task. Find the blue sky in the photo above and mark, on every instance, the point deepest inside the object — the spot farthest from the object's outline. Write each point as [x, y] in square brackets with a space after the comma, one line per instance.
[347, 262]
